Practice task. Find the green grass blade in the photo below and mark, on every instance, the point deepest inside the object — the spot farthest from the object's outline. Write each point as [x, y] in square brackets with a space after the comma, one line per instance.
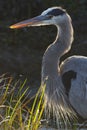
[13, 114]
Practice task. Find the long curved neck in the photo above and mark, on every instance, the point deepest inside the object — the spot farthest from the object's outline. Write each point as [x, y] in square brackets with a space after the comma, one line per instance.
[62, 44]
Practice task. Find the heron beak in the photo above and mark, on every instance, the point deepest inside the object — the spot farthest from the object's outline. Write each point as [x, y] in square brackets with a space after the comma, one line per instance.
[36, 21]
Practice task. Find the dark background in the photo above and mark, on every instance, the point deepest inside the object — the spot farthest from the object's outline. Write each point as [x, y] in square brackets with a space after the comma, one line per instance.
[21, 50]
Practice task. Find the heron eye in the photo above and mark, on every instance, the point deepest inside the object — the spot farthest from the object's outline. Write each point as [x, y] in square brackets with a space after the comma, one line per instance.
[50, 16]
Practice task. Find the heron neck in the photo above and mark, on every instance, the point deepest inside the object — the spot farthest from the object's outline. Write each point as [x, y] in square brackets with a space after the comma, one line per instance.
[64, 38]
[61, 45]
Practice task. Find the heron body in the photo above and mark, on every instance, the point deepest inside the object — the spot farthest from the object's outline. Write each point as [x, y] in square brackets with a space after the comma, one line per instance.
[66, 83]
[78, 86]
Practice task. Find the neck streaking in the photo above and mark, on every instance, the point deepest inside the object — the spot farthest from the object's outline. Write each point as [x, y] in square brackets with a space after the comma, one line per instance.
[62, 44]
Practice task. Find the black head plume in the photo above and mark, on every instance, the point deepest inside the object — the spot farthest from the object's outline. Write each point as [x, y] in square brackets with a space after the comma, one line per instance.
[56, 11]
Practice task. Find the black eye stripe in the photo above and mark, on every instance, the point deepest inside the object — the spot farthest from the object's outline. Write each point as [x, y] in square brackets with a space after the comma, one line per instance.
[56, 12]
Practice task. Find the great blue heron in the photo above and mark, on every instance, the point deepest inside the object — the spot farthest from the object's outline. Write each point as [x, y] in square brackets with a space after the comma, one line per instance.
[66, 82]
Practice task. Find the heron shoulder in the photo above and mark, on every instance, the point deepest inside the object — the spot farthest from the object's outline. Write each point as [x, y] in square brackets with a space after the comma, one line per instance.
[76, 63]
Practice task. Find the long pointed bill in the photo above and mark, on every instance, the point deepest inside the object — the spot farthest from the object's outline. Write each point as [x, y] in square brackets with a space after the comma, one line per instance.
[36, 21]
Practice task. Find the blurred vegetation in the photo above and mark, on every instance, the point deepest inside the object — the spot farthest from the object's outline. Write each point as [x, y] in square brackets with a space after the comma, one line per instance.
[17, 9]
[21, 50]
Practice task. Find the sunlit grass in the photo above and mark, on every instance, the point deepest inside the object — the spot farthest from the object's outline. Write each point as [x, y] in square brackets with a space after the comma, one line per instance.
[14, 111]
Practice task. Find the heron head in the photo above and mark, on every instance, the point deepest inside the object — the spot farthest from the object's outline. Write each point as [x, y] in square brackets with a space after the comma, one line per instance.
[51, 16]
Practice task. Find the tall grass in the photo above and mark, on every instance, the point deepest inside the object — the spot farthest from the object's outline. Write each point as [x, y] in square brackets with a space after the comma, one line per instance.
[15, 114]
[14, 111]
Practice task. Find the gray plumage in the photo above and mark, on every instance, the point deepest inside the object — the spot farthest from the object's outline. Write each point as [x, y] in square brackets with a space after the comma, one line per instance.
[61, 99]
[50, 68]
